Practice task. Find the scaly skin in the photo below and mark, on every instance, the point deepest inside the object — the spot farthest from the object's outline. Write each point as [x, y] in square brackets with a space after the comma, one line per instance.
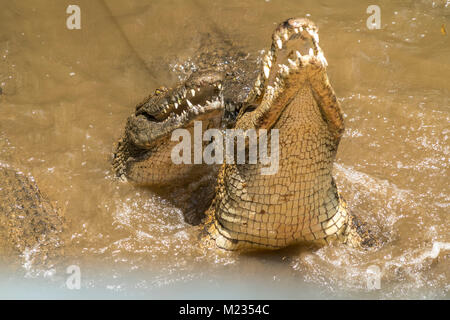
[213, 93]
[29, 223]
[300, 202]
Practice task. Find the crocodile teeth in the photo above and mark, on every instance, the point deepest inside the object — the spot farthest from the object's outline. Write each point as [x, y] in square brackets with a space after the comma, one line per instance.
[311, 52]
[193, 92]
[286, 37]
[284, 68]
[322, 58]
[219, 86]
[292, 63]
[296, 30]
[189, 103]
[299, 55]
[266, 71]
[316, 37]
[280, 44]
[176, 105]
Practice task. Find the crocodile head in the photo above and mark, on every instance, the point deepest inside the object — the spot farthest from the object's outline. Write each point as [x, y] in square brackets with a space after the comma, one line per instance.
[143, 154]
[213, 96]
[215, 91]
[299, 201]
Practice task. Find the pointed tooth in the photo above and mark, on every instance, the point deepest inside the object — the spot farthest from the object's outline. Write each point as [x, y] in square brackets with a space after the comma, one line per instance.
[296, 30]
[193, 92]
[266, 71]
[292, 63]
[316, 37]
[284, 69]
[322, 58]
[219, 86]
[299, 55]
[286, 37]
[198, 89]
[311, 52]
[176, 105]
[189, 103]
[280, 44]
[277, 82]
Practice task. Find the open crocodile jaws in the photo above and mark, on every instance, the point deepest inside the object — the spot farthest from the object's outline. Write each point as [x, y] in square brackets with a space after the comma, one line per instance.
[300, 202]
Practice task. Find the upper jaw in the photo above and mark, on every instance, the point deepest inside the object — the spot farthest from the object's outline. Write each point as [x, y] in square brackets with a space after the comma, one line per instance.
[145, 133]
[198, 98]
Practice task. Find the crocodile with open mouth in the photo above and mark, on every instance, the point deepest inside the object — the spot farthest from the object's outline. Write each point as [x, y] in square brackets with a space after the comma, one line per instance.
[220, 83]
[244, 209]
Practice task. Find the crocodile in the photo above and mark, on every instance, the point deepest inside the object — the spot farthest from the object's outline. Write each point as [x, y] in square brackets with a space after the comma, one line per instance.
[30, 224]
[236, 207]
[246, 210]
[216, 87]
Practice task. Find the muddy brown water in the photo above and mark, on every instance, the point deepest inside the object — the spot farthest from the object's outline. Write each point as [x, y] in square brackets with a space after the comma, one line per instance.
[66, 95]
